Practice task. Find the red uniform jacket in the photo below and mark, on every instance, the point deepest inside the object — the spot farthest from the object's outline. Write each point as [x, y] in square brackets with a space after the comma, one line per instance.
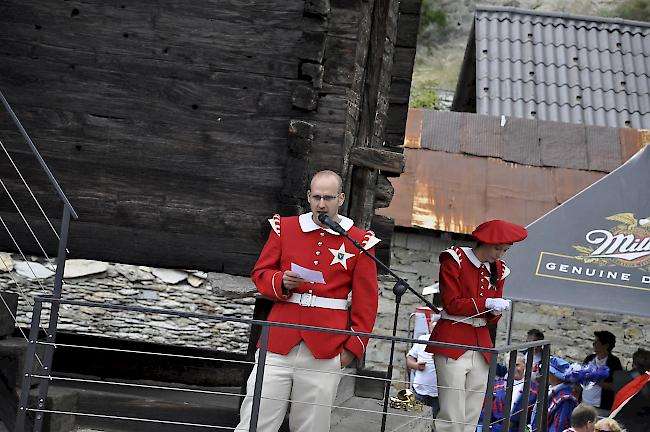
[299, 240]
[464, 287]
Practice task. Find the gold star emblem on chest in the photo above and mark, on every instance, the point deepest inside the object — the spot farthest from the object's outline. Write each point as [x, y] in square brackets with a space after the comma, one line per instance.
[340, 256]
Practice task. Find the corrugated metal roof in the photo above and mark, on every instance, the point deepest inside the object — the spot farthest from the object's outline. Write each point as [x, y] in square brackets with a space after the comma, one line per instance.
[561, 67]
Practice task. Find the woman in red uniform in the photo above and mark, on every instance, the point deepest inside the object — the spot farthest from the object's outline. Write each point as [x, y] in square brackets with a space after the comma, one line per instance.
[471, 285]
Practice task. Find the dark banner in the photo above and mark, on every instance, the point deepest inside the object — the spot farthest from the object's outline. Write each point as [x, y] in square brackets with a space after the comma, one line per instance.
[593, 251]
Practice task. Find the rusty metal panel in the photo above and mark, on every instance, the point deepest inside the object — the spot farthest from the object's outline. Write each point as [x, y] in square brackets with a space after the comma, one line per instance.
[440, 131]
[445, 200]
[518, 193]
[451, 191]
[413, 131]
[563, 145]
[603, 148]
[480, 135]
[632, 140]
[401, 206]
[569, 182]
[432, 194]
[520, 142]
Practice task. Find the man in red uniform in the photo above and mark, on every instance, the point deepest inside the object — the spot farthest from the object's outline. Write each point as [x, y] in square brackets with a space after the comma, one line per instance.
[295, 357]
[471, 285]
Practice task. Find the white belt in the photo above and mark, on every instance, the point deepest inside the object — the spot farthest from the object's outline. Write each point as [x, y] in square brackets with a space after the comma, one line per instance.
[309, 300]
[475, 322]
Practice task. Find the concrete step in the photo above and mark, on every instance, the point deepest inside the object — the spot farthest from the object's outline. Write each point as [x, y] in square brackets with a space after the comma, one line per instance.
[12, 359]
[361, 414]
[8, 308]
[58, 399]
[147, 403]
[208, 408]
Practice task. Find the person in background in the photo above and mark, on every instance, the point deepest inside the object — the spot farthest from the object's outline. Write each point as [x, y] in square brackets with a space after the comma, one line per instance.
[561, 400]
[635, 414]
[531, 336]
[516, 404]
[583, 419]
[608, 425]
[600, 394]
[425, 383]
[471, 287]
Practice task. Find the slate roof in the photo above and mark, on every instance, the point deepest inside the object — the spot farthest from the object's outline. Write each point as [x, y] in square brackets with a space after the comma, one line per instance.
[557, 67]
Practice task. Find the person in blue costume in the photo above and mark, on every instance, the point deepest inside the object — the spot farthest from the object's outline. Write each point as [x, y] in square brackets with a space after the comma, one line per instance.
[561, 398]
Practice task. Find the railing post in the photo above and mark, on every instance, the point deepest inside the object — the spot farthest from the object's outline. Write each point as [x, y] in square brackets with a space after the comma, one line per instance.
[44, 384]
[541, 418]
[28, 366]
[259, 378]
[389, 371]
[507, 405]
[489, 391]
[523, 415]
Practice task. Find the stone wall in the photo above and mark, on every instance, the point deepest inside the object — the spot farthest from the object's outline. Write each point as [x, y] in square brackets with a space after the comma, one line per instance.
[122, 284]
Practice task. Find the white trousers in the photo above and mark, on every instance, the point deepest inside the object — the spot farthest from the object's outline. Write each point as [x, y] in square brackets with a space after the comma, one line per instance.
[461, 390]
[311, 392]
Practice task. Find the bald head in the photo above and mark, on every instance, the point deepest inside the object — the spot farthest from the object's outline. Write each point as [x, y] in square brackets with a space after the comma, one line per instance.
[327, 175]
[325, 195]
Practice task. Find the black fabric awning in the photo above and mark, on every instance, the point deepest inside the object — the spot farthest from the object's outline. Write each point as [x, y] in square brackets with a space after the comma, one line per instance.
[593, 251]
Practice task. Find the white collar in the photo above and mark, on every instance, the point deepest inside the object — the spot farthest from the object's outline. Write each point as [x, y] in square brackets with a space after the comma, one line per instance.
[307, 224]
[474, 259]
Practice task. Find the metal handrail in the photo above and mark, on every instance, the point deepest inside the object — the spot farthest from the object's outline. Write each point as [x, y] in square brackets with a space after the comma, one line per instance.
[251, 321]
[261, 361]
[40, 159]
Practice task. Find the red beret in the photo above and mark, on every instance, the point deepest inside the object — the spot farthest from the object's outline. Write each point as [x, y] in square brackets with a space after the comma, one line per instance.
[499, 232]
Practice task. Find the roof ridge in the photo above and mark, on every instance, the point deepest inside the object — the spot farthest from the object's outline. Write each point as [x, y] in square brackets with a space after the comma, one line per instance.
[540, 102]
[594, 89]
[641, 53]
[562, 15]
[580, 68]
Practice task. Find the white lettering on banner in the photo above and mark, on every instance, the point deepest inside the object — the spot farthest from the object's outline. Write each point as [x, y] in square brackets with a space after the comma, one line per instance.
[592, 272]
[626, 247]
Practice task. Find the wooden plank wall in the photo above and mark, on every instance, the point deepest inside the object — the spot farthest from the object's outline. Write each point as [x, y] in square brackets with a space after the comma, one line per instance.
[176, 128]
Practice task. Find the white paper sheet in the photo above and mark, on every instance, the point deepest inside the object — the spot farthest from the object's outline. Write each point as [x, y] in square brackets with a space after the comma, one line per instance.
[307, 274]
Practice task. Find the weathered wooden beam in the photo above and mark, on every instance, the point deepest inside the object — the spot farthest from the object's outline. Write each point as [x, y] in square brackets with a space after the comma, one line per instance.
[317, 7]
[384, 193]
[378, 159]
[315, 73]
[374, 104]
[312, 46]
[301, 137]
[304, 97]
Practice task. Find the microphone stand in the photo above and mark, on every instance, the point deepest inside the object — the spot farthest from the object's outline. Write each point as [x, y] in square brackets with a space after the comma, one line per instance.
[400, 287]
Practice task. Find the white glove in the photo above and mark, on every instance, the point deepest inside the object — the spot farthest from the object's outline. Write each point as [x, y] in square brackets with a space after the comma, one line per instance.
[497, 305]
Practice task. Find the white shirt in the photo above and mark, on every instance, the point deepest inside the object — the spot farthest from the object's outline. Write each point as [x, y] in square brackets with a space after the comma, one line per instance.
[592, 392]
[425, 382]
[517, 391]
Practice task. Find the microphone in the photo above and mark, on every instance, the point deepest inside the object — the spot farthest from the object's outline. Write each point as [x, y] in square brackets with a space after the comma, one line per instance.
[326, 220]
